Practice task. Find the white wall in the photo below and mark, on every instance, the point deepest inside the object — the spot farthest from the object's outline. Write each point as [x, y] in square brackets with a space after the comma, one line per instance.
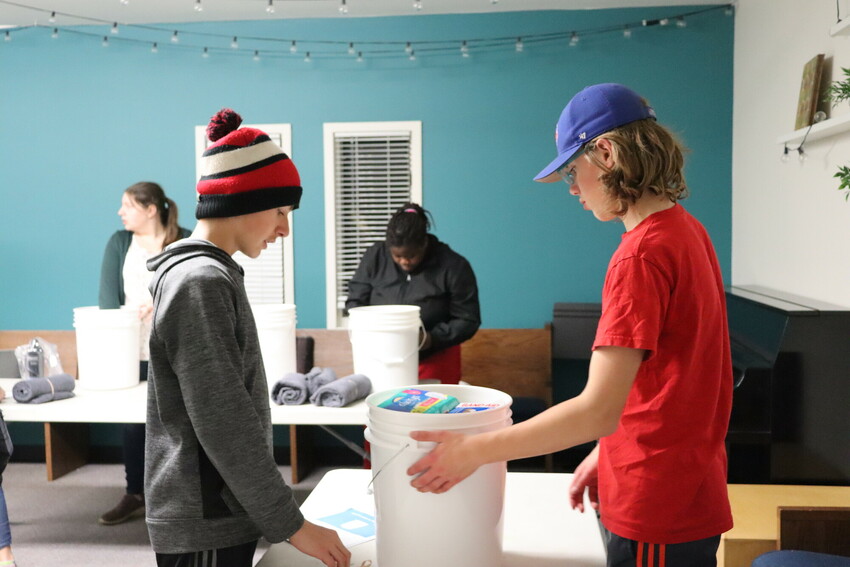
[790, 224]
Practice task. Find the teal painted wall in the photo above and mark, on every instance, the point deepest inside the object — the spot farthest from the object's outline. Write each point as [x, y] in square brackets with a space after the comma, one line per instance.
[82, 122]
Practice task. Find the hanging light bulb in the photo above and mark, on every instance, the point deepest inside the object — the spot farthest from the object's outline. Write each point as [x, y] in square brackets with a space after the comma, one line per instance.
[125, 2]
[681, 23]
[408, 48]
[350, 48]
[627, 32]
[360, 57]
[198, 6]
[114, 30]
[343, 7]
[270, 7]
[464, 49]
[801, 155]
[307, 58]
[206, 53]
[293, 47]
[574, 39]
[784, 157]
[729, 10]
[256, 55]
[105, 42]
[519, 46]
[154, 48]
[52, 18]
[174, 38]
[235, 43]
[663, 21]
[55, 33]
[417, 4]
[8, 36]
[412, 55]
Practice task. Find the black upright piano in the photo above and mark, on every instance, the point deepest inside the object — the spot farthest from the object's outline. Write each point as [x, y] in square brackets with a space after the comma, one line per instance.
[791, 410]
[790, 420]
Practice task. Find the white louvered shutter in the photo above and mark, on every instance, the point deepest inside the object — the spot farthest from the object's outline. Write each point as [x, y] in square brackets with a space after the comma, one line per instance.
[375, 169]
[269, 278]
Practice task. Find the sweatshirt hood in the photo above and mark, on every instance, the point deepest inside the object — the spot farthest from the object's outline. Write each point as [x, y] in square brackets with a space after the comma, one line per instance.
[183, 250]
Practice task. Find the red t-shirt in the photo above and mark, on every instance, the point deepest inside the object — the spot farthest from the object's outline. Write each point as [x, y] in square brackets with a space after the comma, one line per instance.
[662, 473]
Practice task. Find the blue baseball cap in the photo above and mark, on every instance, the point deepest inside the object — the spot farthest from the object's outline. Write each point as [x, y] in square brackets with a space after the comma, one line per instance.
[593, 111]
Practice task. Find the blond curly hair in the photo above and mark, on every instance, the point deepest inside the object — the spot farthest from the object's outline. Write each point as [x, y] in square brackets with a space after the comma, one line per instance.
[647, 158]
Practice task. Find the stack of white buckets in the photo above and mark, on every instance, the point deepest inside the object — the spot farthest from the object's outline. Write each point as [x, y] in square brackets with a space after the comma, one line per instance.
[460, 527]
[276, 331]
[107, 347]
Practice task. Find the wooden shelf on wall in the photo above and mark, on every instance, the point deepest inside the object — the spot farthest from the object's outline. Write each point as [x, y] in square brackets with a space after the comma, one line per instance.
[823, 129]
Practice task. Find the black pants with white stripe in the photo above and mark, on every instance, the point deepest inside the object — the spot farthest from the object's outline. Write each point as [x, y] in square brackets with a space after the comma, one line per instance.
[236, 556]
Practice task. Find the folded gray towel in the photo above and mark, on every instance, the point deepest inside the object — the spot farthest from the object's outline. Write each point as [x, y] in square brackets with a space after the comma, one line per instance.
[318, 377]
[342, 392]
[291, 390]
[40, 390]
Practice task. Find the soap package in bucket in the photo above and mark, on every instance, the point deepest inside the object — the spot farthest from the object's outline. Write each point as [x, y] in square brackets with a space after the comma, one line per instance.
[465, 522]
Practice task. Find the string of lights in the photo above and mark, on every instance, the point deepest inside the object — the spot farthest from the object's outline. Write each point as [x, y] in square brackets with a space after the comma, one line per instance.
[257, 47]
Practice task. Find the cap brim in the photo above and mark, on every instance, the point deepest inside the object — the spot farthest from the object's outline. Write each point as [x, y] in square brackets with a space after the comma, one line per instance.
[550, 172]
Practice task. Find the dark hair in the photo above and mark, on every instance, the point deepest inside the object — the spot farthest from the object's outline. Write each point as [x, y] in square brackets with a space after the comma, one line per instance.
[148, 193]
[408, 227]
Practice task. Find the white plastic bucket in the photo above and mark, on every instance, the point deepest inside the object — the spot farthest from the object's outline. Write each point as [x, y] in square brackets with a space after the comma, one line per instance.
[107, 347]
[276, 331]
[460, 527]
[385, 344]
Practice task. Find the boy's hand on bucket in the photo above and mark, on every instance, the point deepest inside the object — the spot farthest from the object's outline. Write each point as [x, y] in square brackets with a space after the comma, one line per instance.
[447, 464]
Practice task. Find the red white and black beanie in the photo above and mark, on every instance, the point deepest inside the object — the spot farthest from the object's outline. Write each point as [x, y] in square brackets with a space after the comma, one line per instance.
[243, 171]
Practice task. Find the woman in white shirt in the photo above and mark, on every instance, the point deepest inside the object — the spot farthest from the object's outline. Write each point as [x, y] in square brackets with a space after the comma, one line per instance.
[150, 224]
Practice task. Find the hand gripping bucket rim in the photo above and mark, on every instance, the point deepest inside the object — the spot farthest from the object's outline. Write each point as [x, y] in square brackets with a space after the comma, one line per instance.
[467, 520]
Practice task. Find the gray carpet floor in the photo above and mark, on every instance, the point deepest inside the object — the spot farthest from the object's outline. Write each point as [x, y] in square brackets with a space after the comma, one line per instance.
[54, 524]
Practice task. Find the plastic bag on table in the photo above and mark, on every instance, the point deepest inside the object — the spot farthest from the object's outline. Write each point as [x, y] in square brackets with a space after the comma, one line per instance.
[38, 359]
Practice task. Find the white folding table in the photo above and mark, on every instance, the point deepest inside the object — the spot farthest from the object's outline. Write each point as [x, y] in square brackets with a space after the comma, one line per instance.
[66, 421]
[540, 528]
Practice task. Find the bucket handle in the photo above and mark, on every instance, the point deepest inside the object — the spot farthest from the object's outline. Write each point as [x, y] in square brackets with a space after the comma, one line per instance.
[392, 361]
[369, 488]
[428, 445]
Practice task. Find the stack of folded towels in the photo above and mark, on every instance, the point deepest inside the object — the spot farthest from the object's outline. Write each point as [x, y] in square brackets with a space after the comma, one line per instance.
[321, 387]
[41, 390]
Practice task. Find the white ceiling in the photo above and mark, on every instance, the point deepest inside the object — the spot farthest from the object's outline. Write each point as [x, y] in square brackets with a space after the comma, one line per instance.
[28, 12]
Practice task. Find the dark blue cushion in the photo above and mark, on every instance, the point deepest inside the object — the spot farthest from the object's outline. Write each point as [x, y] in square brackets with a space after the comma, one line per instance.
[790, 558]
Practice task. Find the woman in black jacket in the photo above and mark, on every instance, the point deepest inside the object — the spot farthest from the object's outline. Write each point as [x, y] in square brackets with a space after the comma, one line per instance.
[412, 267]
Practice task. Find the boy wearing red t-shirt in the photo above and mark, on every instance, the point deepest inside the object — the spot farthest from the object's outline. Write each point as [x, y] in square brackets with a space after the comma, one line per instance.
[659, 389]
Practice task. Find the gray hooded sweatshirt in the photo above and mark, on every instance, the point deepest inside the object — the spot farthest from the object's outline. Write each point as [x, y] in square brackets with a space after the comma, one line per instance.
[210, 478]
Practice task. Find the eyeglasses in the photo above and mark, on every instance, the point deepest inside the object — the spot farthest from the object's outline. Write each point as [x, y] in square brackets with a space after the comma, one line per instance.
[569, 175]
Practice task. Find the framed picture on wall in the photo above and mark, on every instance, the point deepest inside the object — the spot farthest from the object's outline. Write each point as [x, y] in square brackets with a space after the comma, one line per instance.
[809, 92]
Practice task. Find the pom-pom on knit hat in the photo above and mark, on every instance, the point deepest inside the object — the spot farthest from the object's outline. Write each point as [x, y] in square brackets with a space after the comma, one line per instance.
[243, 171]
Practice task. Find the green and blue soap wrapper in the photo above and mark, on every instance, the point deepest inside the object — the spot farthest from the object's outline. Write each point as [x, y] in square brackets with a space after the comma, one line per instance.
[414, 400]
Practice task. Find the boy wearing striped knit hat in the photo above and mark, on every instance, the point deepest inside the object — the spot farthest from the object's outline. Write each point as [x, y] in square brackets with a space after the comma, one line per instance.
[211, 482]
